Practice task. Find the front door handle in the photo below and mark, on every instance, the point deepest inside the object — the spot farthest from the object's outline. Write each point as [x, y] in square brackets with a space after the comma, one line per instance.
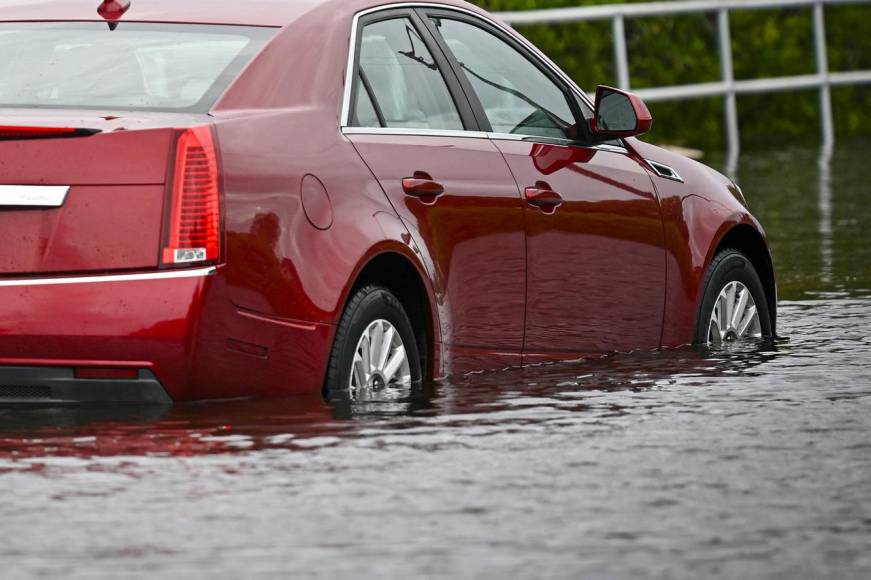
[542, 196]
[422, 185]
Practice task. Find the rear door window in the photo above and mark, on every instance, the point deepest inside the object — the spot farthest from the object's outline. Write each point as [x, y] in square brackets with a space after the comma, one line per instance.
[400, 84]
[166, 67]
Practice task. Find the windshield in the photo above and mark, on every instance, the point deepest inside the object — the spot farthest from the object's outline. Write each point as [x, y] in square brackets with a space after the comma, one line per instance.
[164, 67]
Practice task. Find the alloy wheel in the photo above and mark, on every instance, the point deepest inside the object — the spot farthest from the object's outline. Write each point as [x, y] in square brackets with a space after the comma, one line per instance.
[734, 317]
[380, 360]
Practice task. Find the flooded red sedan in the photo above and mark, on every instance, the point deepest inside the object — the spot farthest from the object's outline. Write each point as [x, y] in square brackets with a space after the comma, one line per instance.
[208, 200]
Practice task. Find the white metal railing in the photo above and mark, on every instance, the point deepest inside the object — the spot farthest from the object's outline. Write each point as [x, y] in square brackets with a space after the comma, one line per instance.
[728, 87]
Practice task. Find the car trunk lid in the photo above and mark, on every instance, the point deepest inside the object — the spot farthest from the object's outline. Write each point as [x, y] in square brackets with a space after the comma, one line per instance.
[85, 199]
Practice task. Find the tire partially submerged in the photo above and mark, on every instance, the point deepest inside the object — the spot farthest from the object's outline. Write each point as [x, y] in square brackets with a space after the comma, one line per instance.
[733, 308]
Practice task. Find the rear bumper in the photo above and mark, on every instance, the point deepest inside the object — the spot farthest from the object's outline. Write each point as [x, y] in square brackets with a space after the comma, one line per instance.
[176, 332]
[148, 322]
[60, 386]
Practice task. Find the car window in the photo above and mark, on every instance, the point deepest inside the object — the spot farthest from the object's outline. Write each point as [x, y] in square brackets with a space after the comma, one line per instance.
[517, 97]
[404, 83]
[137, 66]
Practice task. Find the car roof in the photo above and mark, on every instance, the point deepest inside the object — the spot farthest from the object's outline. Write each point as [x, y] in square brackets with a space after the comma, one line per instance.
[241, 12]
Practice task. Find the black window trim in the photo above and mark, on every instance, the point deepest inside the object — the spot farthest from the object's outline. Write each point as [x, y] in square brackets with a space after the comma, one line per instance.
[364, 82]
[458, 96]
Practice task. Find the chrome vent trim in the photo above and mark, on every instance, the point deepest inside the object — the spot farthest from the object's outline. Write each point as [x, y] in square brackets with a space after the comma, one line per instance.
[665, 171]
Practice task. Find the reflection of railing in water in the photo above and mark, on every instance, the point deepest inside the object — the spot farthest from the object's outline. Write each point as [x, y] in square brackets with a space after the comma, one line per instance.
[727, 87]
[825, 206]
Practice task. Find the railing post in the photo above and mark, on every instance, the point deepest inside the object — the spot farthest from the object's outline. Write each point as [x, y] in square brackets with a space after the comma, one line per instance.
[621, 59]
[822, 59]
[727, 74]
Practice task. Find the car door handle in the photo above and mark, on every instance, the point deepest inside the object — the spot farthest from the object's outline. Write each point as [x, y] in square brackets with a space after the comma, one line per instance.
[422, 185]
[543, 196]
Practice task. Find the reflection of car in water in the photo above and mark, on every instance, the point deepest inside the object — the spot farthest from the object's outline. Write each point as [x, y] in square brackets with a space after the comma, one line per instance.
[308, 421]
[223, 200]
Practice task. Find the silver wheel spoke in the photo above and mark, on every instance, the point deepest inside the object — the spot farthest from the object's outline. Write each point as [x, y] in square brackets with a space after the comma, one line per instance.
[365, 351]
[748, 320]
[376, 336]
[740, 308]
[715, 332]
[714, 335]
[386, 344]
[730, 304]
[395, 362]
[358, 374]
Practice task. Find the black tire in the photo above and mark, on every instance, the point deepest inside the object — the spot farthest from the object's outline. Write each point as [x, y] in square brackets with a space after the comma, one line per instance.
[730, 265]
[367, 305]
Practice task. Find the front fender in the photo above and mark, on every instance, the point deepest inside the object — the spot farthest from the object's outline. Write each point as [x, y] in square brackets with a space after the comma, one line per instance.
[697, 214]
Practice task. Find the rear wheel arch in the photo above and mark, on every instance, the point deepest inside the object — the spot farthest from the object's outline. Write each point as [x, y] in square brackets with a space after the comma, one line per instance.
[750, 242]
[403, 278]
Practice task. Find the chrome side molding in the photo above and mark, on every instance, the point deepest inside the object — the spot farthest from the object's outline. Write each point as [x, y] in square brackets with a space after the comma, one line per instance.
[33, 195]
[104, 278]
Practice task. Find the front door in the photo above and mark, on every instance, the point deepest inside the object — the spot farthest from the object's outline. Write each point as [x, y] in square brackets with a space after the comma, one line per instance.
[594, 238]
[596, 261]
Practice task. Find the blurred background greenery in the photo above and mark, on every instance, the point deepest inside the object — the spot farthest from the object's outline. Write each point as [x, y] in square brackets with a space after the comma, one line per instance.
[682, 49]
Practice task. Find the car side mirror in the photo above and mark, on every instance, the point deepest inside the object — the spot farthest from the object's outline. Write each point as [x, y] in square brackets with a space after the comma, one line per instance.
[619, 114]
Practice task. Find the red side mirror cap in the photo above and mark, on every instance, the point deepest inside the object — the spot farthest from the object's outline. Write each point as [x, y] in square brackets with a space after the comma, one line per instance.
[619, 114]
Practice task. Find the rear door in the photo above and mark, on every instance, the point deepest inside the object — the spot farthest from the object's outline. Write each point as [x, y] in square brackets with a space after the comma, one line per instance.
[595, 249]
[412, 125]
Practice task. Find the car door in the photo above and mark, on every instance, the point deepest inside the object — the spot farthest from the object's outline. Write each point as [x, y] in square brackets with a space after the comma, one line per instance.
[414, 128]
[594, 238]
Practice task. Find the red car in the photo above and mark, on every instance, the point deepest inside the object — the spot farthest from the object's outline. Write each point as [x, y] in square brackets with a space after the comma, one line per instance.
[213, 199]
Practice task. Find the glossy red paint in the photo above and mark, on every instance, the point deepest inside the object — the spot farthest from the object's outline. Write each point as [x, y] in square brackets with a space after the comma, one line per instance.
[595, 264]
[509, 271]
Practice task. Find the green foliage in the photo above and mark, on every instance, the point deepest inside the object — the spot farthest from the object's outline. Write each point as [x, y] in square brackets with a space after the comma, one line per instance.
[768, 43]
[689, 54]
[683, 50]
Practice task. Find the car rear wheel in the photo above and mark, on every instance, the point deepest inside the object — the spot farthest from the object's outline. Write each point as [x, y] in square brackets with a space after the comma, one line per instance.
[734, 308]
[375, 348]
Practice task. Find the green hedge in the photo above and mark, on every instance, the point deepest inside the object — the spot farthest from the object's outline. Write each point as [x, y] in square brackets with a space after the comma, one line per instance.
[683, 49]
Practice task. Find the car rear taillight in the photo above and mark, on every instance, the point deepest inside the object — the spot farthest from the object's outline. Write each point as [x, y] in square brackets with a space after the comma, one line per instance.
[13, 132]
[193, 234]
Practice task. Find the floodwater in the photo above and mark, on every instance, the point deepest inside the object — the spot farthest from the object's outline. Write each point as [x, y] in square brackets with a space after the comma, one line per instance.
[749, 463]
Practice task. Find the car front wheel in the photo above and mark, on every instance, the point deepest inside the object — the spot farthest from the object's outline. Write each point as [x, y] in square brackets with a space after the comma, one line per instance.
[375, 347]
[733, 308]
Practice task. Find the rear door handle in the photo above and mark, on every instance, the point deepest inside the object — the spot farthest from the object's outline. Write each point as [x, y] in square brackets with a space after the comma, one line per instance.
[422, 185]
[543, 196]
